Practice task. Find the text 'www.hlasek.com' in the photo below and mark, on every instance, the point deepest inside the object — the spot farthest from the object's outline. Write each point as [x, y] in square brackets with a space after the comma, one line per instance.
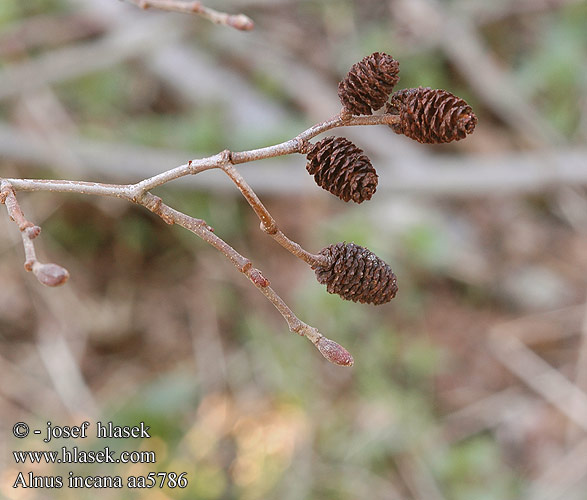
[60, 456]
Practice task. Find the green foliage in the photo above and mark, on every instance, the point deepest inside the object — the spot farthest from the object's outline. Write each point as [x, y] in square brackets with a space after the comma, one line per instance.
[8, 12]
[224, 212]
[86, 238]
[426, 246]
[13, 10]
[426, 69]
[474, 469]
[208, 483]
[278, 356]
[98, 96]
[117, 105]
[161, 402]
[136, 234]
[553, 72]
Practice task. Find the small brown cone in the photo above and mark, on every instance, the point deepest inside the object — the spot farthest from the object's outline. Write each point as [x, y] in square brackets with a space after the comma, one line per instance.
[355, 273]
[341, 168]
[431, 116]
[368, 84]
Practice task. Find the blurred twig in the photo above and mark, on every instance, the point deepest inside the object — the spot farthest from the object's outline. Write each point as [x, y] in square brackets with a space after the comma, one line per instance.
[238, 21]
[74, 61]
[50, 123]
[45, 31]
[64, 371]
[486, 413]
[418, 478]
[29, 391]
[543, 326]
[245, 106]
[581, 373]
[540, 377]
[563, 478]
[56, 326]
[488, 12]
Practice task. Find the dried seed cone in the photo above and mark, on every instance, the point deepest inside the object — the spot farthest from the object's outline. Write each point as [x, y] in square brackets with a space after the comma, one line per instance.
[431, 116]
[355, 273]
[368, 84]
[341, 168]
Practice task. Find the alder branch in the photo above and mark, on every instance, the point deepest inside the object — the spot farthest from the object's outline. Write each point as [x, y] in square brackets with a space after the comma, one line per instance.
[297, 144]
[426, 115]
[140, 193]
[133, 192]
[238, 21]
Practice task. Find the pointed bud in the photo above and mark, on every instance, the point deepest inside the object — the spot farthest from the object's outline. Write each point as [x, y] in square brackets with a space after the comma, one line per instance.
[240, 22]
[334, 352]
[50, 274]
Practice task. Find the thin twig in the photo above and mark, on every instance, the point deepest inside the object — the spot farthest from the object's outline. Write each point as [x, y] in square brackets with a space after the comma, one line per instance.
[296, 144]
[442, 175]
[66, 186]
[133, 192]
[47, 274]
[328, 348]
[238, 21]
[268, 223]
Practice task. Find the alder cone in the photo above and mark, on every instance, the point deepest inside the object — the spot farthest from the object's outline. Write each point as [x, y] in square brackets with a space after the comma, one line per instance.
[355, 273]
[431, 116]
[368, 84]
[341, 168]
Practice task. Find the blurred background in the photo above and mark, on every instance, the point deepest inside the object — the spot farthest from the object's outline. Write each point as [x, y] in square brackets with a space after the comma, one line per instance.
[471, 384]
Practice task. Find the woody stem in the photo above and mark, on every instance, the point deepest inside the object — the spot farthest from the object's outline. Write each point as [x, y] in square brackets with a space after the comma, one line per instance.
[268, 223]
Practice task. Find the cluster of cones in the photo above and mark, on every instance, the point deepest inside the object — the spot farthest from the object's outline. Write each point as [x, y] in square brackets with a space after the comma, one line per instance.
[430, 116]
